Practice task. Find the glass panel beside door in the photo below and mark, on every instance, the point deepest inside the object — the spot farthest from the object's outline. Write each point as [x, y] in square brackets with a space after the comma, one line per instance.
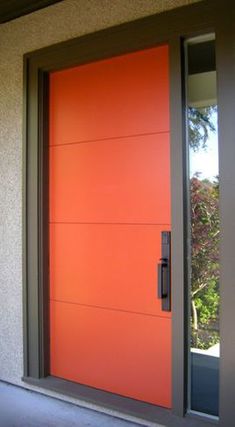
[203, 225]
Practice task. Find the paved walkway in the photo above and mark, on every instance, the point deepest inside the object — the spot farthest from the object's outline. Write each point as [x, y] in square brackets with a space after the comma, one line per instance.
[23, 408]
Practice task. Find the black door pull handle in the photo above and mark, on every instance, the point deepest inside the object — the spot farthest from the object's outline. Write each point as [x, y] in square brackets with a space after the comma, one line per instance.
[164, 272]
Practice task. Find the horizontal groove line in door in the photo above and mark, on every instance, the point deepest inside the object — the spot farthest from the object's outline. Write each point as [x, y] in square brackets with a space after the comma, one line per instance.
[110, 309]
[110, 138]
[108, 223]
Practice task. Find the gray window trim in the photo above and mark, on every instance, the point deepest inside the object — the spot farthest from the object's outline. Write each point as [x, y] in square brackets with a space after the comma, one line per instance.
[226, 106]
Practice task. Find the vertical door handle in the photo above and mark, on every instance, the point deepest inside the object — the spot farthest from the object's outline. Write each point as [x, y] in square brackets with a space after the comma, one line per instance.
[162, 278]
[164, 271]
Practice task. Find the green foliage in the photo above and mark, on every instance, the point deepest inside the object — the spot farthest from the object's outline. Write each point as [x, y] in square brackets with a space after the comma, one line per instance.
[205, 259]
[204, 339]
[207, 303]
[205, 237]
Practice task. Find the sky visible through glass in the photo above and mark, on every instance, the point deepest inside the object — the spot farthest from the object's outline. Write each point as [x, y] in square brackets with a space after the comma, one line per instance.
[205, 161]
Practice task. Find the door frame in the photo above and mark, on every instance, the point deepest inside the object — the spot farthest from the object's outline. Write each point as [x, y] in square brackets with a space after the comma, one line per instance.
[171, 28]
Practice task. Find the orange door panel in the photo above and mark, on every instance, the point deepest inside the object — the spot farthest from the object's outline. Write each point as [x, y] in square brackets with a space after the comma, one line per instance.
[109, 202]
[117, 262]
[112, 98]
[120, 180]
[113, 350]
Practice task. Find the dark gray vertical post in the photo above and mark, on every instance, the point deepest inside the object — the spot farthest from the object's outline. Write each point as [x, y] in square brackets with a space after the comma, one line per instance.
[177, 129]
[225, 55]
[31, 278]
[36, 290]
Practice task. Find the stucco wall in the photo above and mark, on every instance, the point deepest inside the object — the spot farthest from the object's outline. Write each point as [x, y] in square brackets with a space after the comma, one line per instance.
[59, 22]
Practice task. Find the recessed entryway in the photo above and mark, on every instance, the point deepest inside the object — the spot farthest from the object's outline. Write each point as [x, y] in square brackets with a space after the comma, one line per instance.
[166, 31]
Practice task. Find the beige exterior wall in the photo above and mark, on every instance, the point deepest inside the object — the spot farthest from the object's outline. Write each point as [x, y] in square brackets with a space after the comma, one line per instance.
[56, 23]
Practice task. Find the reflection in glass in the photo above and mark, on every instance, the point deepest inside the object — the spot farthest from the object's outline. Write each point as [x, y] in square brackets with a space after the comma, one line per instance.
[204, 226]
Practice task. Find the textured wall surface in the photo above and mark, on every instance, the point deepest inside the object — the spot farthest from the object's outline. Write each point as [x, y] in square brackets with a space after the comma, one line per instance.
[56, 23]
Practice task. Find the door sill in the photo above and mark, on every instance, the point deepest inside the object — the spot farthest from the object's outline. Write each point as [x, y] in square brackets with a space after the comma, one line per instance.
[112, 404]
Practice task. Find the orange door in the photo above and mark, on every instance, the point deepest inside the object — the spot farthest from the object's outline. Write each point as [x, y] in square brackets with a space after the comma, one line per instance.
[109, 202]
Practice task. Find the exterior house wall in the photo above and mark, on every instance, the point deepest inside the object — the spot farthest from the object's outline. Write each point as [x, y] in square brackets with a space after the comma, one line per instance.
[57, 23]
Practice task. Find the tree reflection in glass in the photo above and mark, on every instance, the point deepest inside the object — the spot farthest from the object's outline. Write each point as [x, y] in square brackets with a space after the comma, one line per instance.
[205, 234]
